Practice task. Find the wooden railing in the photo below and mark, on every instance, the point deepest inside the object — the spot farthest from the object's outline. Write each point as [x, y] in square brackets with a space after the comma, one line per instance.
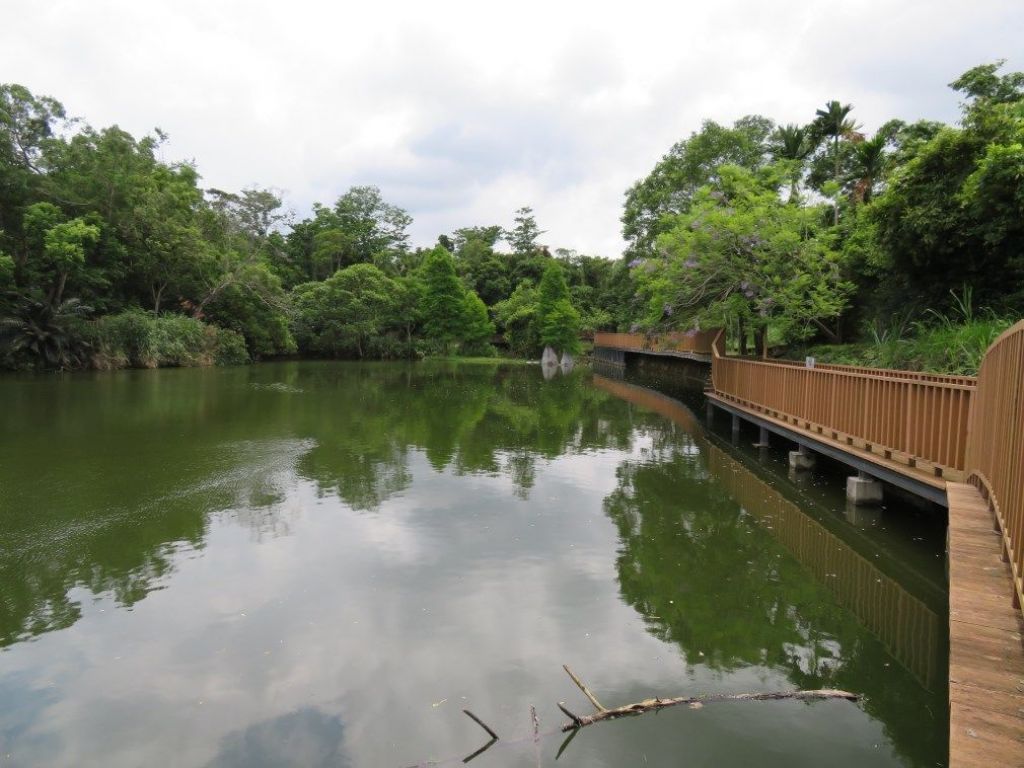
[919, 420]
[887, 373]
[995, 446]
[697, 342]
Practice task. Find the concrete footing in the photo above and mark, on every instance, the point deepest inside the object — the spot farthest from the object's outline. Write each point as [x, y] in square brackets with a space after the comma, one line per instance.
[862, 490]
[802, 458]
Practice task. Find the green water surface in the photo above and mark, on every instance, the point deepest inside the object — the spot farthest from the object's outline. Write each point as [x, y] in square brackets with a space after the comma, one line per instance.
[323, 564]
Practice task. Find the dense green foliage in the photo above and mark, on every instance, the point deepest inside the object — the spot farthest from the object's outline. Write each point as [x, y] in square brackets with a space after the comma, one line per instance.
[95, 228]
[742, 253]
[99, 238]
[791, 234]
[558, 321]
[821, 233]
[353, 313]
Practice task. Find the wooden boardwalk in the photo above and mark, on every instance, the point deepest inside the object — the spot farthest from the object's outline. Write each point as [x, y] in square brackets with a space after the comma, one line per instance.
[986, 656]
[956, 440]
[918, 477]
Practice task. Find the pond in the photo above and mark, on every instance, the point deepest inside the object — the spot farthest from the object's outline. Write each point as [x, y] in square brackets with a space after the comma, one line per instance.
[323, 564]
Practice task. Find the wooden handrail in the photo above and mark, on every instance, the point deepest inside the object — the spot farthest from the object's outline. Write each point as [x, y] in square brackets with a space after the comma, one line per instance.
[995, 459]
[894, 373]
[959, 426]
[953, 382]
[920, 421]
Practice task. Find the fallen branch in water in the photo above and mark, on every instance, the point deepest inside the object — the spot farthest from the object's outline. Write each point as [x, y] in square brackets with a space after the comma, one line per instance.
[649, 705]
[577, 722]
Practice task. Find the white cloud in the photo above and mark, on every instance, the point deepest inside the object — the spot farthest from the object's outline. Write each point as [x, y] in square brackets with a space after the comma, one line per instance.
[461, 112]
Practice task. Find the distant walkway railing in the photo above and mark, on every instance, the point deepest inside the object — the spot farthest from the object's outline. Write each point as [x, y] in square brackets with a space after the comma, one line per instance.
[694, 342]
[995, 445]
[915, 419]
[887, 373]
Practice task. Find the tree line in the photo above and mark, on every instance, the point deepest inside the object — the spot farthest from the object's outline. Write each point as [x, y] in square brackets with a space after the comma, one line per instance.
[787, 234]
[822, 232]
[111, 257]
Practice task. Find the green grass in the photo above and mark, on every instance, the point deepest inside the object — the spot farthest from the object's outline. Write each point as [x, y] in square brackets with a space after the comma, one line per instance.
[941, 343]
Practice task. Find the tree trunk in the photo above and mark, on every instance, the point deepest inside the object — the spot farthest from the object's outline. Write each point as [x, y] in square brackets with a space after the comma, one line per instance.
[58, 289]
[157, 295]
[835, 203]
[743, 337]
[761, 342]
[833, 337]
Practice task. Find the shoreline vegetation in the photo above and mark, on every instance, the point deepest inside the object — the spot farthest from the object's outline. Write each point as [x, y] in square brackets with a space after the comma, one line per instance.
[901, 249]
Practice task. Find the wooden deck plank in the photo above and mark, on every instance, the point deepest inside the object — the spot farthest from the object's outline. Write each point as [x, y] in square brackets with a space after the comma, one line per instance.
[986, 641]
[998, 617]
[1011, 704]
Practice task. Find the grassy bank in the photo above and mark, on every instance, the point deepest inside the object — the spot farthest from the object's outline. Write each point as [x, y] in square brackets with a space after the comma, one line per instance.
[940, 343]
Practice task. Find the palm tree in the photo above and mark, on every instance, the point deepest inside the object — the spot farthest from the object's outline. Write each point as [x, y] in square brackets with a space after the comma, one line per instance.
[47, 332]
[869, 161]
[794, 143]
[831, 122]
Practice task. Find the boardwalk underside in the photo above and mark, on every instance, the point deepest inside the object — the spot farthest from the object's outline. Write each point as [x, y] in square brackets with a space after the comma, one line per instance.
[986, 655]
[921, 480]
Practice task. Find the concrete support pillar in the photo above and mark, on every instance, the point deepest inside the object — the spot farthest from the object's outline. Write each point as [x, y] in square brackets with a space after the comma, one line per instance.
[802, 458]
[710, 412]
[762, 438]
[735, 428]
[863, 490]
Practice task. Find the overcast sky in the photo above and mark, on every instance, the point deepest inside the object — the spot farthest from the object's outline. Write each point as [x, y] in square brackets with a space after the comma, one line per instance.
[463, 112]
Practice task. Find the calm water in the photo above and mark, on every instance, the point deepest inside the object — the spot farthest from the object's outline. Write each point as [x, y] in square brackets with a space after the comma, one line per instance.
[319, 564]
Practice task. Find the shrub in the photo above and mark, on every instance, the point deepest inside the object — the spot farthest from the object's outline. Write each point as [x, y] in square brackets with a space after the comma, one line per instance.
[229, 347]
[136, 338]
